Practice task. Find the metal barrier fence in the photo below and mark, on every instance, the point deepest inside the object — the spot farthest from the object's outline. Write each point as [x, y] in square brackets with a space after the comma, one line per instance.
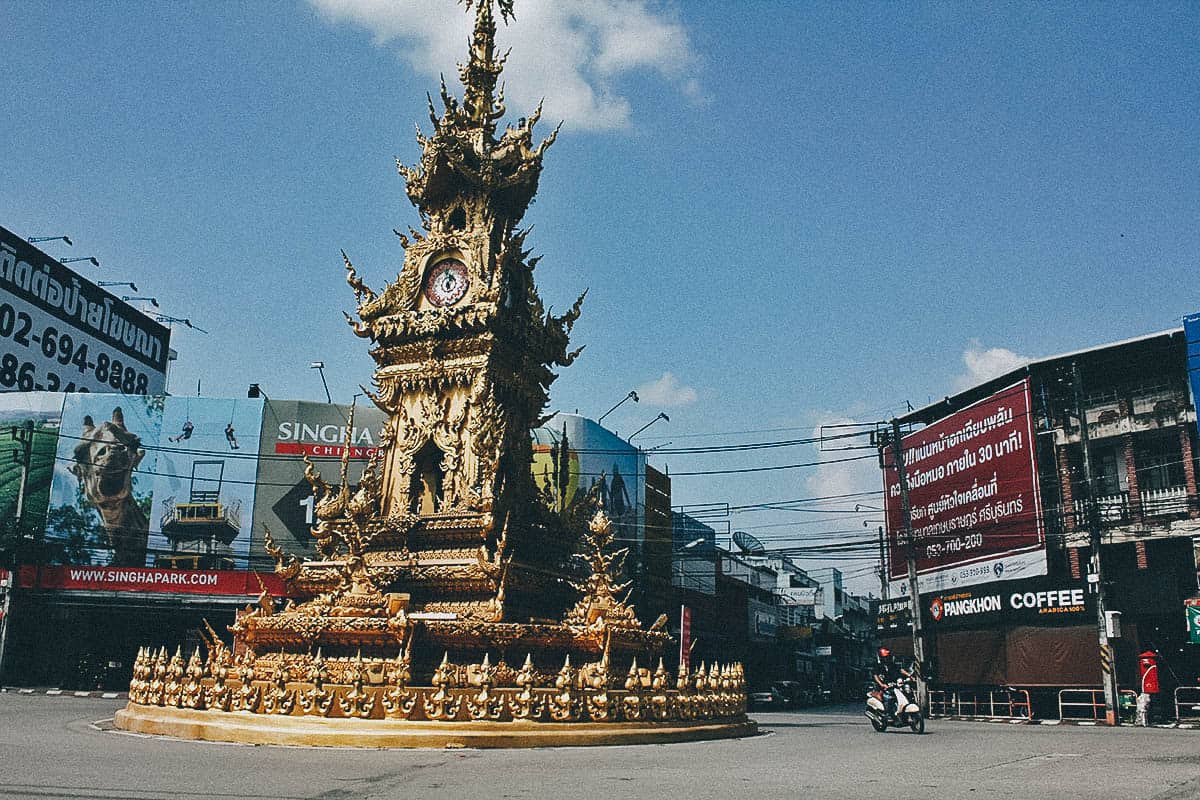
[989, 703]
[1089, 703]
[1187, 703]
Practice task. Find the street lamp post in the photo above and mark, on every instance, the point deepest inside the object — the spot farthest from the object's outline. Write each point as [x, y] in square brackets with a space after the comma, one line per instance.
[631, 396]
[151, 300]
[319, 366]
[181, 320]
[661, 416]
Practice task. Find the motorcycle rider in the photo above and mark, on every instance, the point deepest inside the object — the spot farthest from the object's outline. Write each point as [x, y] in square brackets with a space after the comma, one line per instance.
[887, 672]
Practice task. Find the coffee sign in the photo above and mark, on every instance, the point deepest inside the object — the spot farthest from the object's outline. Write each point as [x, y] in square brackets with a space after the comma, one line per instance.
[1039, 601]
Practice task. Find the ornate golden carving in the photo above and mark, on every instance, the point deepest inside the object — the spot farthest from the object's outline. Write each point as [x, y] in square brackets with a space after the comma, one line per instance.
[173, 684]
[599, 607]
[525, 704]
[442, 705]
[192, 691]
[564, 704]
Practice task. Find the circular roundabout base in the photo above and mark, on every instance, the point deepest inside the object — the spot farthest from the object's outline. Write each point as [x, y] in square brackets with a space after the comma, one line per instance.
[248, 728]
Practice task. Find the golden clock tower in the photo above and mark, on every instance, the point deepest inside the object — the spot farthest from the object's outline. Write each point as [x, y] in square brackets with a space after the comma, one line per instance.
[465, 349]
[442, 594]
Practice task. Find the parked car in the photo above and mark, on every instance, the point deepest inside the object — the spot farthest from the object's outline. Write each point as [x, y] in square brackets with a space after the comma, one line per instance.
[789, 694]
[764, 701]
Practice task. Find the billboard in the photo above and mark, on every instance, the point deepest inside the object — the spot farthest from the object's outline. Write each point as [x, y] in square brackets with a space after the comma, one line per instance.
[34, 417]
[203, 483]
[101, 491]
[1191, 333]
[574, 455]
[1040, 601]
[292, 429]
[974, 497]
[1035, 601]
[59, 332]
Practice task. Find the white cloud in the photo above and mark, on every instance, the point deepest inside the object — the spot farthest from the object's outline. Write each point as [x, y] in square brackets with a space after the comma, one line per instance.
[983, 365]
[666, 392]
[572, 52]
[832, 479]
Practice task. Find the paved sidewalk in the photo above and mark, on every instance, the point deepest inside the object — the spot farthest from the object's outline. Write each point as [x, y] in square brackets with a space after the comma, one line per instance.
[51, 748]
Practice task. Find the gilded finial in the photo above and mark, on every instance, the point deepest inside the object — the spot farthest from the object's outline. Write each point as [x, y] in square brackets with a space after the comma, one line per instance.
[479, 75]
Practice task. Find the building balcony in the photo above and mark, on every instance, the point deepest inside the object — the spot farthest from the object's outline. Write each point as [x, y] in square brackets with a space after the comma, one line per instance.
[1113, 509]
[1165, 502]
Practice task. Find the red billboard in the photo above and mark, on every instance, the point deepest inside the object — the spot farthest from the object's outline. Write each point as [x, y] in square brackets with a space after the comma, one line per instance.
[973, 493]
[157, 581]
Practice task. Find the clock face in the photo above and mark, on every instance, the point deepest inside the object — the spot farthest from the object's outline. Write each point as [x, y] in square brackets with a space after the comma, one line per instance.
[446, 282]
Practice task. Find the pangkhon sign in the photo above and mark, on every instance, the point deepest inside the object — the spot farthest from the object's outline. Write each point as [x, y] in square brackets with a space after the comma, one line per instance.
[1038, 601]
[1041, 601]
[974, 497]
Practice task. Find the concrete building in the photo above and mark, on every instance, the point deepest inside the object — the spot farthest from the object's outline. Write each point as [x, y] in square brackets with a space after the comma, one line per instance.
[1141, 427]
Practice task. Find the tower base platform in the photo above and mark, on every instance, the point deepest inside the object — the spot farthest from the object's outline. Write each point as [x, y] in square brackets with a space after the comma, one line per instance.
[250, 728]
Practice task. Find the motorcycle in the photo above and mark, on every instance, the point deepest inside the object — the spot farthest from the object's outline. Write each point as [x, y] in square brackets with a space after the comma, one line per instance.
[907, 711]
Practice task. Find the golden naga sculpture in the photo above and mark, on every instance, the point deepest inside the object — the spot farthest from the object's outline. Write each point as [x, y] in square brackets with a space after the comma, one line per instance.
[445, 568]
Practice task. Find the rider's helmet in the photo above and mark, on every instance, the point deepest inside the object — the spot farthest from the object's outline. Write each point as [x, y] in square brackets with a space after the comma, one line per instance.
[884, 653]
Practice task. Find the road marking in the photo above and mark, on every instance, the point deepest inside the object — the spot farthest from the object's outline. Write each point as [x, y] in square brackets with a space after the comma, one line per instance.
[81, 694]
[54, 691]
[109, 696]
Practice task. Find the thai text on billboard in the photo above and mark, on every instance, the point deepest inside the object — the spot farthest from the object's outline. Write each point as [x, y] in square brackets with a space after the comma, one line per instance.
[974, 496]
[59, 332]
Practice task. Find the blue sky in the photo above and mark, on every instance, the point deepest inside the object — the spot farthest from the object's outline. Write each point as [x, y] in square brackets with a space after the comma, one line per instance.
[801, 211]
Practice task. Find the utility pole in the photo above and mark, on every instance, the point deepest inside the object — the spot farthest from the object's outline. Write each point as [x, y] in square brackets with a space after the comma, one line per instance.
[1108, 674]
[883, 570]
[914, 591]
[891, 435]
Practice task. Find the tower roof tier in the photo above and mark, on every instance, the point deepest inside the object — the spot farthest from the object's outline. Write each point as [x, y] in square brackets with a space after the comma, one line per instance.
[463, 156]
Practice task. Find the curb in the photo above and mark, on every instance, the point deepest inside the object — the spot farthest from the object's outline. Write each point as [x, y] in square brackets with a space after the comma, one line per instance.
[1085, 723]
[100, 694]
[998, 720]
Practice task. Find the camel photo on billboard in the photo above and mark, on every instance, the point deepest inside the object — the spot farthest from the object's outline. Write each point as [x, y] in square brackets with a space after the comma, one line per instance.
[105, 459]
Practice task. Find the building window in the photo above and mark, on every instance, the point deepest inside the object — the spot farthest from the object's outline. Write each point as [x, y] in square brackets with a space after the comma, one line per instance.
[1159, 461]
[1109, 462]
